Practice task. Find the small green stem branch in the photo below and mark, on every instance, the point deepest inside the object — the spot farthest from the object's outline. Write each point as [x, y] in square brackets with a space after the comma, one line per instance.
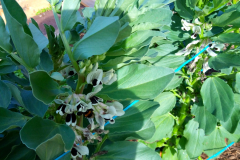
[101, 143]
[21, 62]
[182, 115]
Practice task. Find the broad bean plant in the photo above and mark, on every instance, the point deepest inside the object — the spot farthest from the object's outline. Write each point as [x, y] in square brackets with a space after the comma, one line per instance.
[64, 95]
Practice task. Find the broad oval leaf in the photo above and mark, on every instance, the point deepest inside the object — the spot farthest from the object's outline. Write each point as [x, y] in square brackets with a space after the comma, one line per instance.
[232, 38]
[21, 152]
[218, 98]
[206, 120]
[6, 95]
[229, 18]
[195, 137]
[216, 141]
[231, 124]
[11, 119]
[99, 38]
[183, 10]
[42, 130]
[32, 104]
[134, 123]
[5, 37]
[167, 101]
[128, 151]
[51, 149]
[169, 154]
[223, 61]
[69, 13]
[44, 87]
[164, 126]
[20, 33]
[138, 81]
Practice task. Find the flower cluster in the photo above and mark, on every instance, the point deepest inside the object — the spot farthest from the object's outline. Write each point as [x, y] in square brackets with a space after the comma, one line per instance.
[91, 107]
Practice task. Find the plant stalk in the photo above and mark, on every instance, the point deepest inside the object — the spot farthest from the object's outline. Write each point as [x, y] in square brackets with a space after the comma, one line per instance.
[101, 143]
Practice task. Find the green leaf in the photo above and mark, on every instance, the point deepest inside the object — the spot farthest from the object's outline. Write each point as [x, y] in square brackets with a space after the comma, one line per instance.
[12, 138]
[6, 95]
[183, 10]
[15, 93]
[192, 3]
[20, 33]
[170, 61]
[169, 154]
[216, 141]
[182, 155]
[32, 104]
[57, 76]
[21, 152]
[125, 31]
[150, 16]
[105, 27]
[218, 98]
[38, 37]
[51, 149]
[11, 119]
[229, 18]
[5, 37]
[165, 121]
[175, 82]
[133, 84]
[167, 102]
[122, 6]
[231, 124]
[69, 14]
[99, 7]
[46, 62]
[42, 130]
[232, 38]
[223, 61]
[44, 87]
[195, 137]
[206, 120]
[128, 151]
[237, 84]
[134, 123]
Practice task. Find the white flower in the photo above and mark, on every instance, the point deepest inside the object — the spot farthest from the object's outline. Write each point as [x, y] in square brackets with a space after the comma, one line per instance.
[196, 30]
[61, 109]
[81, 106]
[109, 77]
[186, 51]
[91, 96]
[79, 151]
[95, 76]
[205, 67]
[71, 119]
[196, 21]
[216, 47]
[118, 107]
[186, 25]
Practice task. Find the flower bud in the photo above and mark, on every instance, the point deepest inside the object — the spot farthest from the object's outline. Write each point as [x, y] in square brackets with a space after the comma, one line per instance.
[87, 63]
[89, 68]
[101, 57]
[81, 64]
[94, 59]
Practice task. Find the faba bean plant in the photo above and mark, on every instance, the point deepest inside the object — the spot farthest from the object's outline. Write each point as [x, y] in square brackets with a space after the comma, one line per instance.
[107, 84]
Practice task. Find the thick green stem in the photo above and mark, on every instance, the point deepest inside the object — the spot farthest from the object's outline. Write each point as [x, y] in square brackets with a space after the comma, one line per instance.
[182, 115]
[64, 39]
[101, 143]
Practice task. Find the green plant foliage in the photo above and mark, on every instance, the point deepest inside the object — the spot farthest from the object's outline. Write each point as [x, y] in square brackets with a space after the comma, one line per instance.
[11, 119]
[182, 9]
[42, 130]
[218, 98]
[223, 61]
[46, 92]
[51, 149]
[131, 86]
[5, 40]
[20, 33]
[140, 112]
[131, 150]
[102, 27]
[5, 95]
[21, 152]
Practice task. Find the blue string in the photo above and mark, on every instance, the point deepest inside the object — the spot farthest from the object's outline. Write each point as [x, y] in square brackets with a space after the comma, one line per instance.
[185, 63]
[220, 152]
[134, 102]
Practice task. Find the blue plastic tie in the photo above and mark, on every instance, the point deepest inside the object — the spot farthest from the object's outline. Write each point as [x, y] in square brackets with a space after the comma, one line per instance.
[134, 102]
[185, 63]
[220, 152]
